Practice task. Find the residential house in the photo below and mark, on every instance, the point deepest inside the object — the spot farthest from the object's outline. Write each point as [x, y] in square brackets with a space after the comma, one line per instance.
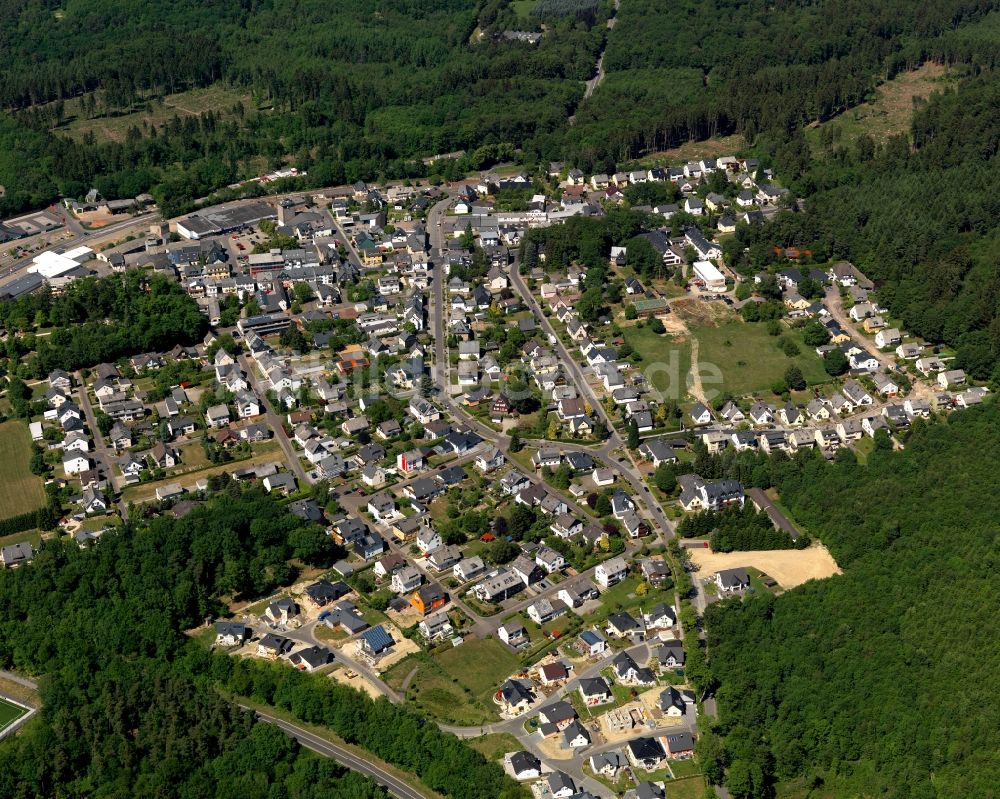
[575, 736]
[549, 559]
[611, 572]
[406, 579]
[468, 568]
[436, 626]
[595, 691]
[513, 633]
[593, 643]
[231, 633]
[661, 617]
[889, 337]
[525, 766]
[429, 598]
[678, 744]
[428, 540]
[217, 416]
[732, 580]
[699, 494]
[545, 610]
[951, 377]
[670, 654]
[645, 753]
[553, 673]
[375, 643]
[515, 696]
[700, 414]
[499, 586]
[627, 671]
[444, 557]
[623, 625]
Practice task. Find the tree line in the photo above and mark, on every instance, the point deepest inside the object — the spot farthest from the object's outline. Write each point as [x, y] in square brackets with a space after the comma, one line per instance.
[852, 685]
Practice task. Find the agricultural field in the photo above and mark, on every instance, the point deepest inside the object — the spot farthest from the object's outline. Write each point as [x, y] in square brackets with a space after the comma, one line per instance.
[20, 490]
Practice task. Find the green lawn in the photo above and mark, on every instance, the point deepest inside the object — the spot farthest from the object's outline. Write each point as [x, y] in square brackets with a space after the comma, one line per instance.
[496, 745]
[665, 360]
[684, 788]
[749, 360]
[20, 490]
[523, 8]
[458, 684]
[9, 713]
[864, 447]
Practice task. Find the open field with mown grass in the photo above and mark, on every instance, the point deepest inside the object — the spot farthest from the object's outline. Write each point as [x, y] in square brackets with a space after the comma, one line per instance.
[20, 490]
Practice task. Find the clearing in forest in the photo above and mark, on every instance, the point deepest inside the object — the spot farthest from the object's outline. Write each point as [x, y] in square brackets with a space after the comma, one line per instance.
[155, 112]
[790, 567]
[889, 113]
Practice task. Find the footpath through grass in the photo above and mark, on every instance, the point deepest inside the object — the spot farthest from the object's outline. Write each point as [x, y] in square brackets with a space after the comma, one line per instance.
[456, 685]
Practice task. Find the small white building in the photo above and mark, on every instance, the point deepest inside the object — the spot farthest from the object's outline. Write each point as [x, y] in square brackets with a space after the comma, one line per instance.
[709, 275]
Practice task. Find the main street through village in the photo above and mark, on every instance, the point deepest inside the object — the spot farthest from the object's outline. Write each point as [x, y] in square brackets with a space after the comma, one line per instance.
[611, 453]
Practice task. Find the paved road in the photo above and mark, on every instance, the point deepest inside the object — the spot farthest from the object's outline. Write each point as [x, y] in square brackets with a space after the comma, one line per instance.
[79, 237]
[24, 681]
[306, 634]
[835, 305]
[274, 420]
[614, 441]
[346, 758]
[102, 452]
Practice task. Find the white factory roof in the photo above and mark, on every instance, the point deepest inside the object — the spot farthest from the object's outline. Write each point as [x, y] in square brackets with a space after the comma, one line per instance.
[53, 264]
[707, 272]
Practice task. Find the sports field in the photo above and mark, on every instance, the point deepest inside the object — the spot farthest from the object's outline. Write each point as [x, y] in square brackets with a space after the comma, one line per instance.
[20, 490]
[9, 713]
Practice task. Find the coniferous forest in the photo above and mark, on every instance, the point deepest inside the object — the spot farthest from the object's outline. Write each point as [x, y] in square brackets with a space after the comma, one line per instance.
[878, 682]
[367, 89]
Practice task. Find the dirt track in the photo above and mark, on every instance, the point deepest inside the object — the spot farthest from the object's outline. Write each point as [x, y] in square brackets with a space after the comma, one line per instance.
[790, 567]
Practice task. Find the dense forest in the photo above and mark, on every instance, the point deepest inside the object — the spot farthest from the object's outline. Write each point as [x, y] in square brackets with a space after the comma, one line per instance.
[738, 529]
[368, 89]
[878, 682]
[96, 320]
[351, 91]
[694, 69]
[136, 728]
[130, 703]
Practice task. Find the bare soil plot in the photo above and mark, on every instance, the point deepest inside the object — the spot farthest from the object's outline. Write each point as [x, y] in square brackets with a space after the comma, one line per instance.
[790, 567]
[699, 313]
[358, 682]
